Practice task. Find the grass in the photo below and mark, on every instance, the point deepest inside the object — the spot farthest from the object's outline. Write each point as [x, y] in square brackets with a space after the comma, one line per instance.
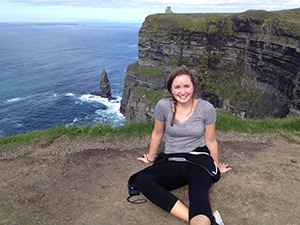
[231, 89]
[194, 22]
[148, 95]
[145, 70]
[229, 122]
[44, 138]
[209, 22]
[226, 122]
[151, 70]
[287, 19]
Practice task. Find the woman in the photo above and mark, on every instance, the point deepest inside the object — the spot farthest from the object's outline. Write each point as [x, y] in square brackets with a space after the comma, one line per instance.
[189, 126]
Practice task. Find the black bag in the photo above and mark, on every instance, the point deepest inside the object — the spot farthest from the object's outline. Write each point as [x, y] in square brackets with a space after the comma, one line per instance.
[133, 190]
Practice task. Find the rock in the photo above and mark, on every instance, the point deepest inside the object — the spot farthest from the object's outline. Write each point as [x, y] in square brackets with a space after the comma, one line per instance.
[104, 87]
[104, 84]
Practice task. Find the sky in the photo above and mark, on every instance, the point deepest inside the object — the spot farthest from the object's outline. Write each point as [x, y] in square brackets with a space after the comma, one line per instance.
[123, 11]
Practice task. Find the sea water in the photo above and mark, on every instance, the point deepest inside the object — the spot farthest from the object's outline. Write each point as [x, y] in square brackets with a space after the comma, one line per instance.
[47, 73]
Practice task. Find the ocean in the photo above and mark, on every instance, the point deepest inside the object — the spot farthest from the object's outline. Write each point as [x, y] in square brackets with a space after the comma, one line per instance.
[47, 73]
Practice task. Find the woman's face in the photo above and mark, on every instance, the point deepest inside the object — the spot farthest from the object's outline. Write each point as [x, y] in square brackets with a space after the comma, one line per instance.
[182, 88]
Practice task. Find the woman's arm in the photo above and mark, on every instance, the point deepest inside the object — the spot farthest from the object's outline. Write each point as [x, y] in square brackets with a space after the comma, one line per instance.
[212, 144]
[156, 138]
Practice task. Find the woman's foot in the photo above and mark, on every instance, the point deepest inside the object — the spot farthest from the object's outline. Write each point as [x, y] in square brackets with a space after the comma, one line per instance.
[218, 219]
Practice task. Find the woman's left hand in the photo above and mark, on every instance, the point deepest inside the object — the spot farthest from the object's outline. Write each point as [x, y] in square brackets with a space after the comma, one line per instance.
[224, 167]
[144, 159]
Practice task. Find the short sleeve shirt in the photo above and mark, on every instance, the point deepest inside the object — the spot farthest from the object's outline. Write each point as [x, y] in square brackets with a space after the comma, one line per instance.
[187, 136]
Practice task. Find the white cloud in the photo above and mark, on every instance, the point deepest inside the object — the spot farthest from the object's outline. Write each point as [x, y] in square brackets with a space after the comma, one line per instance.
[163, 3]
[125, 10]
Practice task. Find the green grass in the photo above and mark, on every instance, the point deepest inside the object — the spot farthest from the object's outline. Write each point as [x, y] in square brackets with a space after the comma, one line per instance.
[133, 68]
[145, 70]
[226, 122]
[151, 70]
[199, 22]
[44, 138]
[209, 22]
[228, 85]
[149, 96]
[229, 122]
[286, 19]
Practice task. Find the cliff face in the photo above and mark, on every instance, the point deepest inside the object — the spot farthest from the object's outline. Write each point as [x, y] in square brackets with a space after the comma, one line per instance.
[246, 63]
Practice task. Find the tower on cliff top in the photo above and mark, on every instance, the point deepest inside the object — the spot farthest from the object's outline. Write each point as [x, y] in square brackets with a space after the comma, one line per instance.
[168, 10]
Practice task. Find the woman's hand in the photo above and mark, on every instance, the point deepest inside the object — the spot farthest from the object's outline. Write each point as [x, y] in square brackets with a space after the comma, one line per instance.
[224, 167]
[145, 159]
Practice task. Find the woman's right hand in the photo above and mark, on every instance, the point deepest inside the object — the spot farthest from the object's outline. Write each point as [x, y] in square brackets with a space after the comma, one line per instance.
[145, 159]
[224, 167]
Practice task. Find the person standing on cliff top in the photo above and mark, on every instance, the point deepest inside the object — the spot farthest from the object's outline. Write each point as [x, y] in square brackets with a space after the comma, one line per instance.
[190, 155]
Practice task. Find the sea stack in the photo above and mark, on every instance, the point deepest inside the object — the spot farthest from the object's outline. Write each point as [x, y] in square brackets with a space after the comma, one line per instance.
[104, 87]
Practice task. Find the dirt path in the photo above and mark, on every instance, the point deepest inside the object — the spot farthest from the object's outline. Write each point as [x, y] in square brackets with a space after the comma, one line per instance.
[84, 182]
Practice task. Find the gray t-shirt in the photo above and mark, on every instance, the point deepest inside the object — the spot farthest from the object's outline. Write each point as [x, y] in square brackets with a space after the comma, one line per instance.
[187, 136]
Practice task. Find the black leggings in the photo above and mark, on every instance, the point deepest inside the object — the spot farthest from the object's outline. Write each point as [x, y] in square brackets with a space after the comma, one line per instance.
[155, 182]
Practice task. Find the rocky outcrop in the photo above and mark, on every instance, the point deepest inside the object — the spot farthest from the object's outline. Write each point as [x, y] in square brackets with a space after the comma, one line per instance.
[104, 87]
[247, 63]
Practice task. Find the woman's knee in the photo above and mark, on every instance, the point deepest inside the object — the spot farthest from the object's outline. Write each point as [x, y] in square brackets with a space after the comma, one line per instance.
[199, 203]
[200, 219]
[141, 179]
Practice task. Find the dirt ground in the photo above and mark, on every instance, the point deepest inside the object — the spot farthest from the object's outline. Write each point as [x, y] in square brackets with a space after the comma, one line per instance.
[85, 182]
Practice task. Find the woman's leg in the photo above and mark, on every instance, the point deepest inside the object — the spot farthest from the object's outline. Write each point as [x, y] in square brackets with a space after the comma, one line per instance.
[200, 220]
[155, 182]
[181, 211]
[200, 181]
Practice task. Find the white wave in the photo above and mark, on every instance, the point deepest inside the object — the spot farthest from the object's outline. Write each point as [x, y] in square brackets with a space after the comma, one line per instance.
[70, 94]
[113, 105]
[112, 111]
[14, 100]
[54, 95]
[91, 98]
[75, 120]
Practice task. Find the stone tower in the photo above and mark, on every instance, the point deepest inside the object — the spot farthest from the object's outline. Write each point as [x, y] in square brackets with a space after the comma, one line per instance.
[168, 10]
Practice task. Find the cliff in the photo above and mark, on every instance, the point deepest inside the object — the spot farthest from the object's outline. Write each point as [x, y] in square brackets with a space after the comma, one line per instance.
[246, 63]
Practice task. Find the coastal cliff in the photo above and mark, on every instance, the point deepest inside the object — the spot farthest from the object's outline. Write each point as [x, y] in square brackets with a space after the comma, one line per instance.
[246, 63]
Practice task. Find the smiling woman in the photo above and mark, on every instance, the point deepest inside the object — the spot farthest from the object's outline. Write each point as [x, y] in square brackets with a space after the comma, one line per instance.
[190, 154]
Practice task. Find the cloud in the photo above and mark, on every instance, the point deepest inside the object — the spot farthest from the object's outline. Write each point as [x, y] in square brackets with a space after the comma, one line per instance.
[129, 10]
[133, 11]
[184, 4]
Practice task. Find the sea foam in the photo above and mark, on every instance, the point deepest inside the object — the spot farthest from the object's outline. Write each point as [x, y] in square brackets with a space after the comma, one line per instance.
[109, 114]
[14, 100]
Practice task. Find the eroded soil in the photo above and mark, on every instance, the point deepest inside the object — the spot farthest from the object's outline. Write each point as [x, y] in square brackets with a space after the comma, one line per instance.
[85, 182]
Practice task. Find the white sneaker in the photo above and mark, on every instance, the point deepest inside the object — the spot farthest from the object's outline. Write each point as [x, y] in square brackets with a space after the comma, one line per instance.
[218, 218]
